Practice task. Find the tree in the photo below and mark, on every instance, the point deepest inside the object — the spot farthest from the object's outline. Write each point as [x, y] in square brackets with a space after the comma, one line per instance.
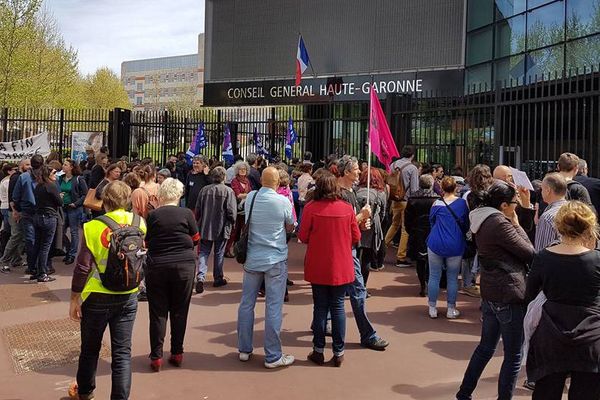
[103, 89]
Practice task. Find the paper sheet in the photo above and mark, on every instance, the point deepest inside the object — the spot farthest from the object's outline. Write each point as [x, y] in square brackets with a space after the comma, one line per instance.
[521, 179]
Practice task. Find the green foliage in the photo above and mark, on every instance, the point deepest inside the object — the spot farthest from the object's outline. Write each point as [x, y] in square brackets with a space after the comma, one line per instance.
[103, 89]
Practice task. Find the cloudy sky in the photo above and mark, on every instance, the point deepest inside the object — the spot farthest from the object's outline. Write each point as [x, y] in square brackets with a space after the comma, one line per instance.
[108, 32]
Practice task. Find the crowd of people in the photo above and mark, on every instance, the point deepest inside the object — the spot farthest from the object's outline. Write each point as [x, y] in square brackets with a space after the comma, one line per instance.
[530, 255]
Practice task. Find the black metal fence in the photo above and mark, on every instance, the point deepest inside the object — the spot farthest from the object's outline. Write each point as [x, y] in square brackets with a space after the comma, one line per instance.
[525, 126]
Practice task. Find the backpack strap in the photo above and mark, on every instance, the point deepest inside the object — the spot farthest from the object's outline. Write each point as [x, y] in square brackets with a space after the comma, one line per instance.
[111, 223]
[137, 221]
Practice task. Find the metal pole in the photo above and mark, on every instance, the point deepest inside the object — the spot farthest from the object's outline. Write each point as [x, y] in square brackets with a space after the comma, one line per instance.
[61, 132]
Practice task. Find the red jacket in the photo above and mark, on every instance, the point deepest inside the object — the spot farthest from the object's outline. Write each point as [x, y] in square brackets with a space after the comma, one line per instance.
[330, 229]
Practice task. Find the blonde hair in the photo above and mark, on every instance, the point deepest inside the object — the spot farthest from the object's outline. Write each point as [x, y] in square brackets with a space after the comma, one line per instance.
[576, 220]
[170, 190]
[115, 196]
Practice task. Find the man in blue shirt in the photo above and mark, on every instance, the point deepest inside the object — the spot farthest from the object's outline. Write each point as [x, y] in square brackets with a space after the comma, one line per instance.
[266, 260]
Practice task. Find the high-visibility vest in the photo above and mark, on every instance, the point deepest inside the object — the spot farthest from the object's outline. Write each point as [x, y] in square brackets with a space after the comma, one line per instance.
[97, 239]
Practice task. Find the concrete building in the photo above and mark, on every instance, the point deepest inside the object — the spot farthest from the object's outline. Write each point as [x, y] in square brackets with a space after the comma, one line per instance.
[167, 82]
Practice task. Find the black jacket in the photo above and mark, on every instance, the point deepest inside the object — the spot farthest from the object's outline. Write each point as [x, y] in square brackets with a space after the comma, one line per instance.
[79, 189]
[416, 221]
[593, 187]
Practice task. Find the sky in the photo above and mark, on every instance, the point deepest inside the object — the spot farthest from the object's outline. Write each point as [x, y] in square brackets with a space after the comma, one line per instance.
[108, 32]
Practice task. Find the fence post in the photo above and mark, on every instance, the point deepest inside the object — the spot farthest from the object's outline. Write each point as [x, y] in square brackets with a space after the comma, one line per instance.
[61, 129]
[165, 133]
[4, 124]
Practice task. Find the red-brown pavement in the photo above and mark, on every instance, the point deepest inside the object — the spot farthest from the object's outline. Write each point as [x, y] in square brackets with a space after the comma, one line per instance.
[426, 358]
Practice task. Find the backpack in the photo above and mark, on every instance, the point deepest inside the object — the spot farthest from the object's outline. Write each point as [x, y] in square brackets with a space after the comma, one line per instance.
[396, 183]
[126, 255]
[152, 200]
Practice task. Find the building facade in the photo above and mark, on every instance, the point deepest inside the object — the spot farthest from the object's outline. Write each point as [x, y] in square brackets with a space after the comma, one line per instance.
[167, 82]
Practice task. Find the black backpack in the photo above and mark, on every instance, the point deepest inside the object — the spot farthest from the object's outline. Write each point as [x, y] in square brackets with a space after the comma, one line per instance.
[126, 255]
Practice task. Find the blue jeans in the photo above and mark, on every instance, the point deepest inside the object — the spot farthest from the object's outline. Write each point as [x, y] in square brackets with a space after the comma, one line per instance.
[118, 312]
[45, 228]
[275, 283]
[436, 265]
[73, 217]
[329, 299]
[205, 249]
[28, 229]
[499, 320]
[358, 295]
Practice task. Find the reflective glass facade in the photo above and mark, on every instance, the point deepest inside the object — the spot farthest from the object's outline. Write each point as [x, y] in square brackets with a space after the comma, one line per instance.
[516, 41]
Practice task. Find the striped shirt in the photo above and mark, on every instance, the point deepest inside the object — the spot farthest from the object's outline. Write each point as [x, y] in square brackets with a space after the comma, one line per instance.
[546, 232]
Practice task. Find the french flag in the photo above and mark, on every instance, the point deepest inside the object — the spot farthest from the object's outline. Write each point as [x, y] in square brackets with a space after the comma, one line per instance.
[302, 60]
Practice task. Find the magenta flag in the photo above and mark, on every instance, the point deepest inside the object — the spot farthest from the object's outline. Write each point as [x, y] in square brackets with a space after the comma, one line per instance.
[382, 142]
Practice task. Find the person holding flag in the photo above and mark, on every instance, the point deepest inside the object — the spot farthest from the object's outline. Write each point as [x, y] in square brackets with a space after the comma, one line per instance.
[198, 143]
[291, 138]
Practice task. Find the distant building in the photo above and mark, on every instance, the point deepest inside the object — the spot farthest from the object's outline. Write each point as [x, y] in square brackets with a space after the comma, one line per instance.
[165, 82]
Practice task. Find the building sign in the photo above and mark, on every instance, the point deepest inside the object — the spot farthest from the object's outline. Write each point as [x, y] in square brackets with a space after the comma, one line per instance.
[351, 88]
[25, 148]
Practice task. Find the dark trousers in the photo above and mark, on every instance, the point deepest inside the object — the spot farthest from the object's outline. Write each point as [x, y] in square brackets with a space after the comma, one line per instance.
[169, 289]
[584, 386]
[235, 232]
[499, 320]
[329, 299]
[118, 312]
[422, 270]
[367, 259]
[28, 229]
[45, 228]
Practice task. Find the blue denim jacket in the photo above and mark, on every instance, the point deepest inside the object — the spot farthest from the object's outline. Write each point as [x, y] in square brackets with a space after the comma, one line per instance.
[23, 194]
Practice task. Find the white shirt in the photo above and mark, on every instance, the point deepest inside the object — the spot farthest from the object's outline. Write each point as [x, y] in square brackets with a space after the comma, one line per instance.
[4, 203]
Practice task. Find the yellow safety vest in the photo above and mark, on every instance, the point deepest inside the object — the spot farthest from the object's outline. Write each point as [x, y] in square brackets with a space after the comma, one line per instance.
[97, 239]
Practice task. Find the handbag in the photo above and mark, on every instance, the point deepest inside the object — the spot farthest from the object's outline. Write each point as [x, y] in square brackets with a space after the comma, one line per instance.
[471, 248]
[91, 201]
[241, 246]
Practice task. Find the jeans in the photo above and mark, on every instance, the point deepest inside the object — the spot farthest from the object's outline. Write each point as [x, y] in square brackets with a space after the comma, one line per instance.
[499, 320]
[45, 227]
[14, 248]
[205, 248]
[436, 265]
[358, 295]
[73, 217]
[169, 289]
[584, 386]
[329, 299]
[118, 312]
[275, 283]
[28, 229]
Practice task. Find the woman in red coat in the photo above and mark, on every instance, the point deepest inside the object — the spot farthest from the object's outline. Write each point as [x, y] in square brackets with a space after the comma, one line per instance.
[330, 229]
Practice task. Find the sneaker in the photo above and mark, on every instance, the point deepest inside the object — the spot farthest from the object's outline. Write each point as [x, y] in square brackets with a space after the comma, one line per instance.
[45, 278]
[69, 260]
[452, 313]
[33, 277]
[472, 291]
[199, 287]
[376, 268]
[220, 282]
[176, 360]
[289, 283]
[529, 385]
[5, 269]
[316, 357]
[377, 344]
[403, 263]
[338, 360]
[284, 361]
[244, 356]
[432, 312]
[156, 365]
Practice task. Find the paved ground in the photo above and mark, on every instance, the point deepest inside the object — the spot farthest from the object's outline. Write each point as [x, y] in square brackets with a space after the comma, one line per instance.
[426, 358]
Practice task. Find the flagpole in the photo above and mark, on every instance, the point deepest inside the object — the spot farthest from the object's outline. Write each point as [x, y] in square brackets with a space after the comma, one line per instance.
[369, 154]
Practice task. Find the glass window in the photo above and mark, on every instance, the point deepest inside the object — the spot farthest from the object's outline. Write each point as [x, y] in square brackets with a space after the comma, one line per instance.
[139, 87]
[510, 36]
[583, 53]
[545, 25]
[583, 17]
[508, 8]
[510, 69]
[536, 3]
[479, 46]
[545, 63]
[138, 101]
[478, 78]
[480, 13]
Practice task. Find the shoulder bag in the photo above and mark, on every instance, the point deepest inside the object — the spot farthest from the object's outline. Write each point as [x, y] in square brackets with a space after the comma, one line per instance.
[91, 201]
[241, 246]
[471, 248]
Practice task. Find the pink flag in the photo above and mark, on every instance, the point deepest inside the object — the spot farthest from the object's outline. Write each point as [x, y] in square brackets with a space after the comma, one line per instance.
[382, 142]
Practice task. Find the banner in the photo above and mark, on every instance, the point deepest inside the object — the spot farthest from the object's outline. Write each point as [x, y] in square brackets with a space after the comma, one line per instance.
[25, 148]
[380, 137]
[82, 141]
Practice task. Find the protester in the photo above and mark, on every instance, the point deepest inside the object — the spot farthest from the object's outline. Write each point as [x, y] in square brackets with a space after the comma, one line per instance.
[231, 170]
[504, 251]
[554, 189]
[216, 210]
[162, 175]
[445, 245]
[241, 186]
[329, 225]
[253, 173]
[437, 171]
[416, 217]
[266, 260]
[11, 258]
[196, 180]
[525, 210]
[132, 180]
[409, 174]
[348, 176]
[371, 239]
[568, 166]
[7, 171]
[95, 306]
[98, 170]
[566, 342]
[172, 235]
[113, 173]
[591, 184]
[304, 181]
[145, 198]
[72, 190]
